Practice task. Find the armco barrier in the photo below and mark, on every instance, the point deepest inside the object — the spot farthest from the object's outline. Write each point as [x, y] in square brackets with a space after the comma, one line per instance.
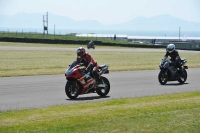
[48, 41]
[82, 42]
[133, 45]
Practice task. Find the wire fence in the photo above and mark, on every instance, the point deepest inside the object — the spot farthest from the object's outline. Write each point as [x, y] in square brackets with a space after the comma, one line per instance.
[69, 36]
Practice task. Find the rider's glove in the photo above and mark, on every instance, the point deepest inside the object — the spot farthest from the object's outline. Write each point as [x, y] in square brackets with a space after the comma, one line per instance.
[81, 64]
[171, 63]
[86, 70]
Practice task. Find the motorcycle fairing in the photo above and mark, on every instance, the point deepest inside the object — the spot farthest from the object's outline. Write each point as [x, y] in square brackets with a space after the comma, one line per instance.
[87, 82]
[103, 69]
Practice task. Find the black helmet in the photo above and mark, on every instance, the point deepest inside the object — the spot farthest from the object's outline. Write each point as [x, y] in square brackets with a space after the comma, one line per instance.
[170, 48]
[80, 52]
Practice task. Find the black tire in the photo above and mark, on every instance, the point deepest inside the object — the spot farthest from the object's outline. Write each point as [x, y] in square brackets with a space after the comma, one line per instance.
[162, 78]
[184, 78]
[69, 92]
[104, 91]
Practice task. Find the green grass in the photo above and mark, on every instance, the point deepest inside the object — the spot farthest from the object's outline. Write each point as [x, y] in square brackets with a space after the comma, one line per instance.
[41, 36]
[24, 63]
[53, 45]
[174, 113]
[61, 37]
[21, 63]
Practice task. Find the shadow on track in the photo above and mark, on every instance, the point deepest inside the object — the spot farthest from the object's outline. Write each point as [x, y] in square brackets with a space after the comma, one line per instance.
[87, 98]
[174, 84]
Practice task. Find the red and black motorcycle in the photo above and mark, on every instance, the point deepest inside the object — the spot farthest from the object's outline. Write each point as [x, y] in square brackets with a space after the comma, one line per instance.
[79, 82]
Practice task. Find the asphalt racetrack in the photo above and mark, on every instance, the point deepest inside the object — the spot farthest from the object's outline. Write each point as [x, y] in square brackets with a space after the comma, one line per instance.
[26, 92]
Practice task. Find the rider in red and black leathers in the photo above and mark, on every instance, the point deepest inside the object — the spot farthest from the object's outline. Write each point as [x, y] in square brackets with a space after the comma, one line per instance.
[89, 62]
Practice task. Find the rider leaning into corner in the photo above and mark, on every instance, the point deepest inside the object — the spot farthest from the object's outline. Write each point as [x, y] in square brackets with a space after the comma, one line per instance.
[89, 62]
[175, 58]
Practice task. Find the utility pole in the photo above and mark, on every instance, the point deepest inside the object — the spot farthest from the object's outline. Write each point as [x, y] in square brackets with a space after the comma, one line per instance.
[45, 28]
[47, 23]
[54, 31]
[179, 32]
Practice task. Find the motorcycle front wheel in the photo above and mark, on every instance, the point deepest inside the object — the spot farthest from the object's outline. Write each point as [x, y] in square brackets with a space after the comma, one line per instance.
[162, 78]
[104, 91]
[71, 92]
[183, 78]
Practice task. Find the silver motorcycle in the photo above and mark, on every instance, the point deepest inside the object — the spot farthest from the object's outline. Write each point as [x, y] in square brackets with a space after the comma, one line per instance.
[171, 73]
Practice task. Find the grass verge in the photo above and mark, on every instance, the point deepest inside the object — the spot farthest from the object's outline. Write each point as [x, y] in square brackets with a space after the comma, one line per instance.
[60, 37]
[52, 45]
[172, 113]
[24, 63]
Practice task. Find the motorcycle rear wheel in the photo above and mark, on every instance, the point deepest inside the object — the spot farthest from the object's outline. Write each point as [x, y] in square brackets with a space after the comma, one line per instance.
[162, 78]
[184, 78]
[70, 92]
[104, 91]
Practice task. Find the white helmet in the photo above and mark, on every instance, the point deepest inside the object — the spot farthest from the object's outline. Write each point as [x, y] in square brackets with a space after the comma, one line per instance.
[170, 48]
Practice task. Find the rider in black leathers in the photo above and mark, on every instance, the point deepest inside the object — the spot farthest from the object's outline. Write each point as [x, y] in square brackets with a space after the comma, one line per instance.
[91, 44]
[175, 58]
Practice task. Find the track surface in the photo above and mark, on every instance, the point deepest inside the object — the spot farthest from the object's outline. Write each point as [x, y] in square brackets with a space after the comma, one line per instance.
[26, 92]
[41, 91]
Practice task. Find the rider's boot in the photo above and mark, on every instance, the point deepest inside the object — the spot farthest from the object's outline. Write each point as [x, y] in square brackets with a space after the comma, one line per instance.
[181, 71]
[99, 81]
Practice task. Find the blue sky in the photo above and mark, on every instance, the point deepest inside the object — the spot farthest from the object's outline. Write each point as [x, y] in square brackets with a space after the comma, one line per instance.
[105, 11]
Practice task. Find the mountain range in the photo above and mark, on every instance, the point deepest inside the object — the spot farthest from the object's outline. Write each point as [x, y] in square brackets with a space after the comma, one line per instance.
[35, 20]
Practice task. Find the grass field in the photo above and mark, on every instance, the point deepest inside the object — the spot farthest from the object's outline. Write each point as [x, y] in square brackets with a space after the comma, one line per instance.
[175, 113]
[51, 45]
[23, 63]
[41, 36]
[60, 37]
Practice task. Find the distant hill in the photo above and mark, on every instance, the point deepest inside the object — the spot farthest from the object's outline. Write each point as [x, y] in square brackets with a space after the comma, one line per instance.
[161, 22]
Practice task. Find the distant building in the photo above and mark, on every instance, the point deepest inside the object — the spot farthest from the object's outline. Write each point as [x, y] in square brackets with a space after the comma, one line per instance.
[119, 37]
[181, 43]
